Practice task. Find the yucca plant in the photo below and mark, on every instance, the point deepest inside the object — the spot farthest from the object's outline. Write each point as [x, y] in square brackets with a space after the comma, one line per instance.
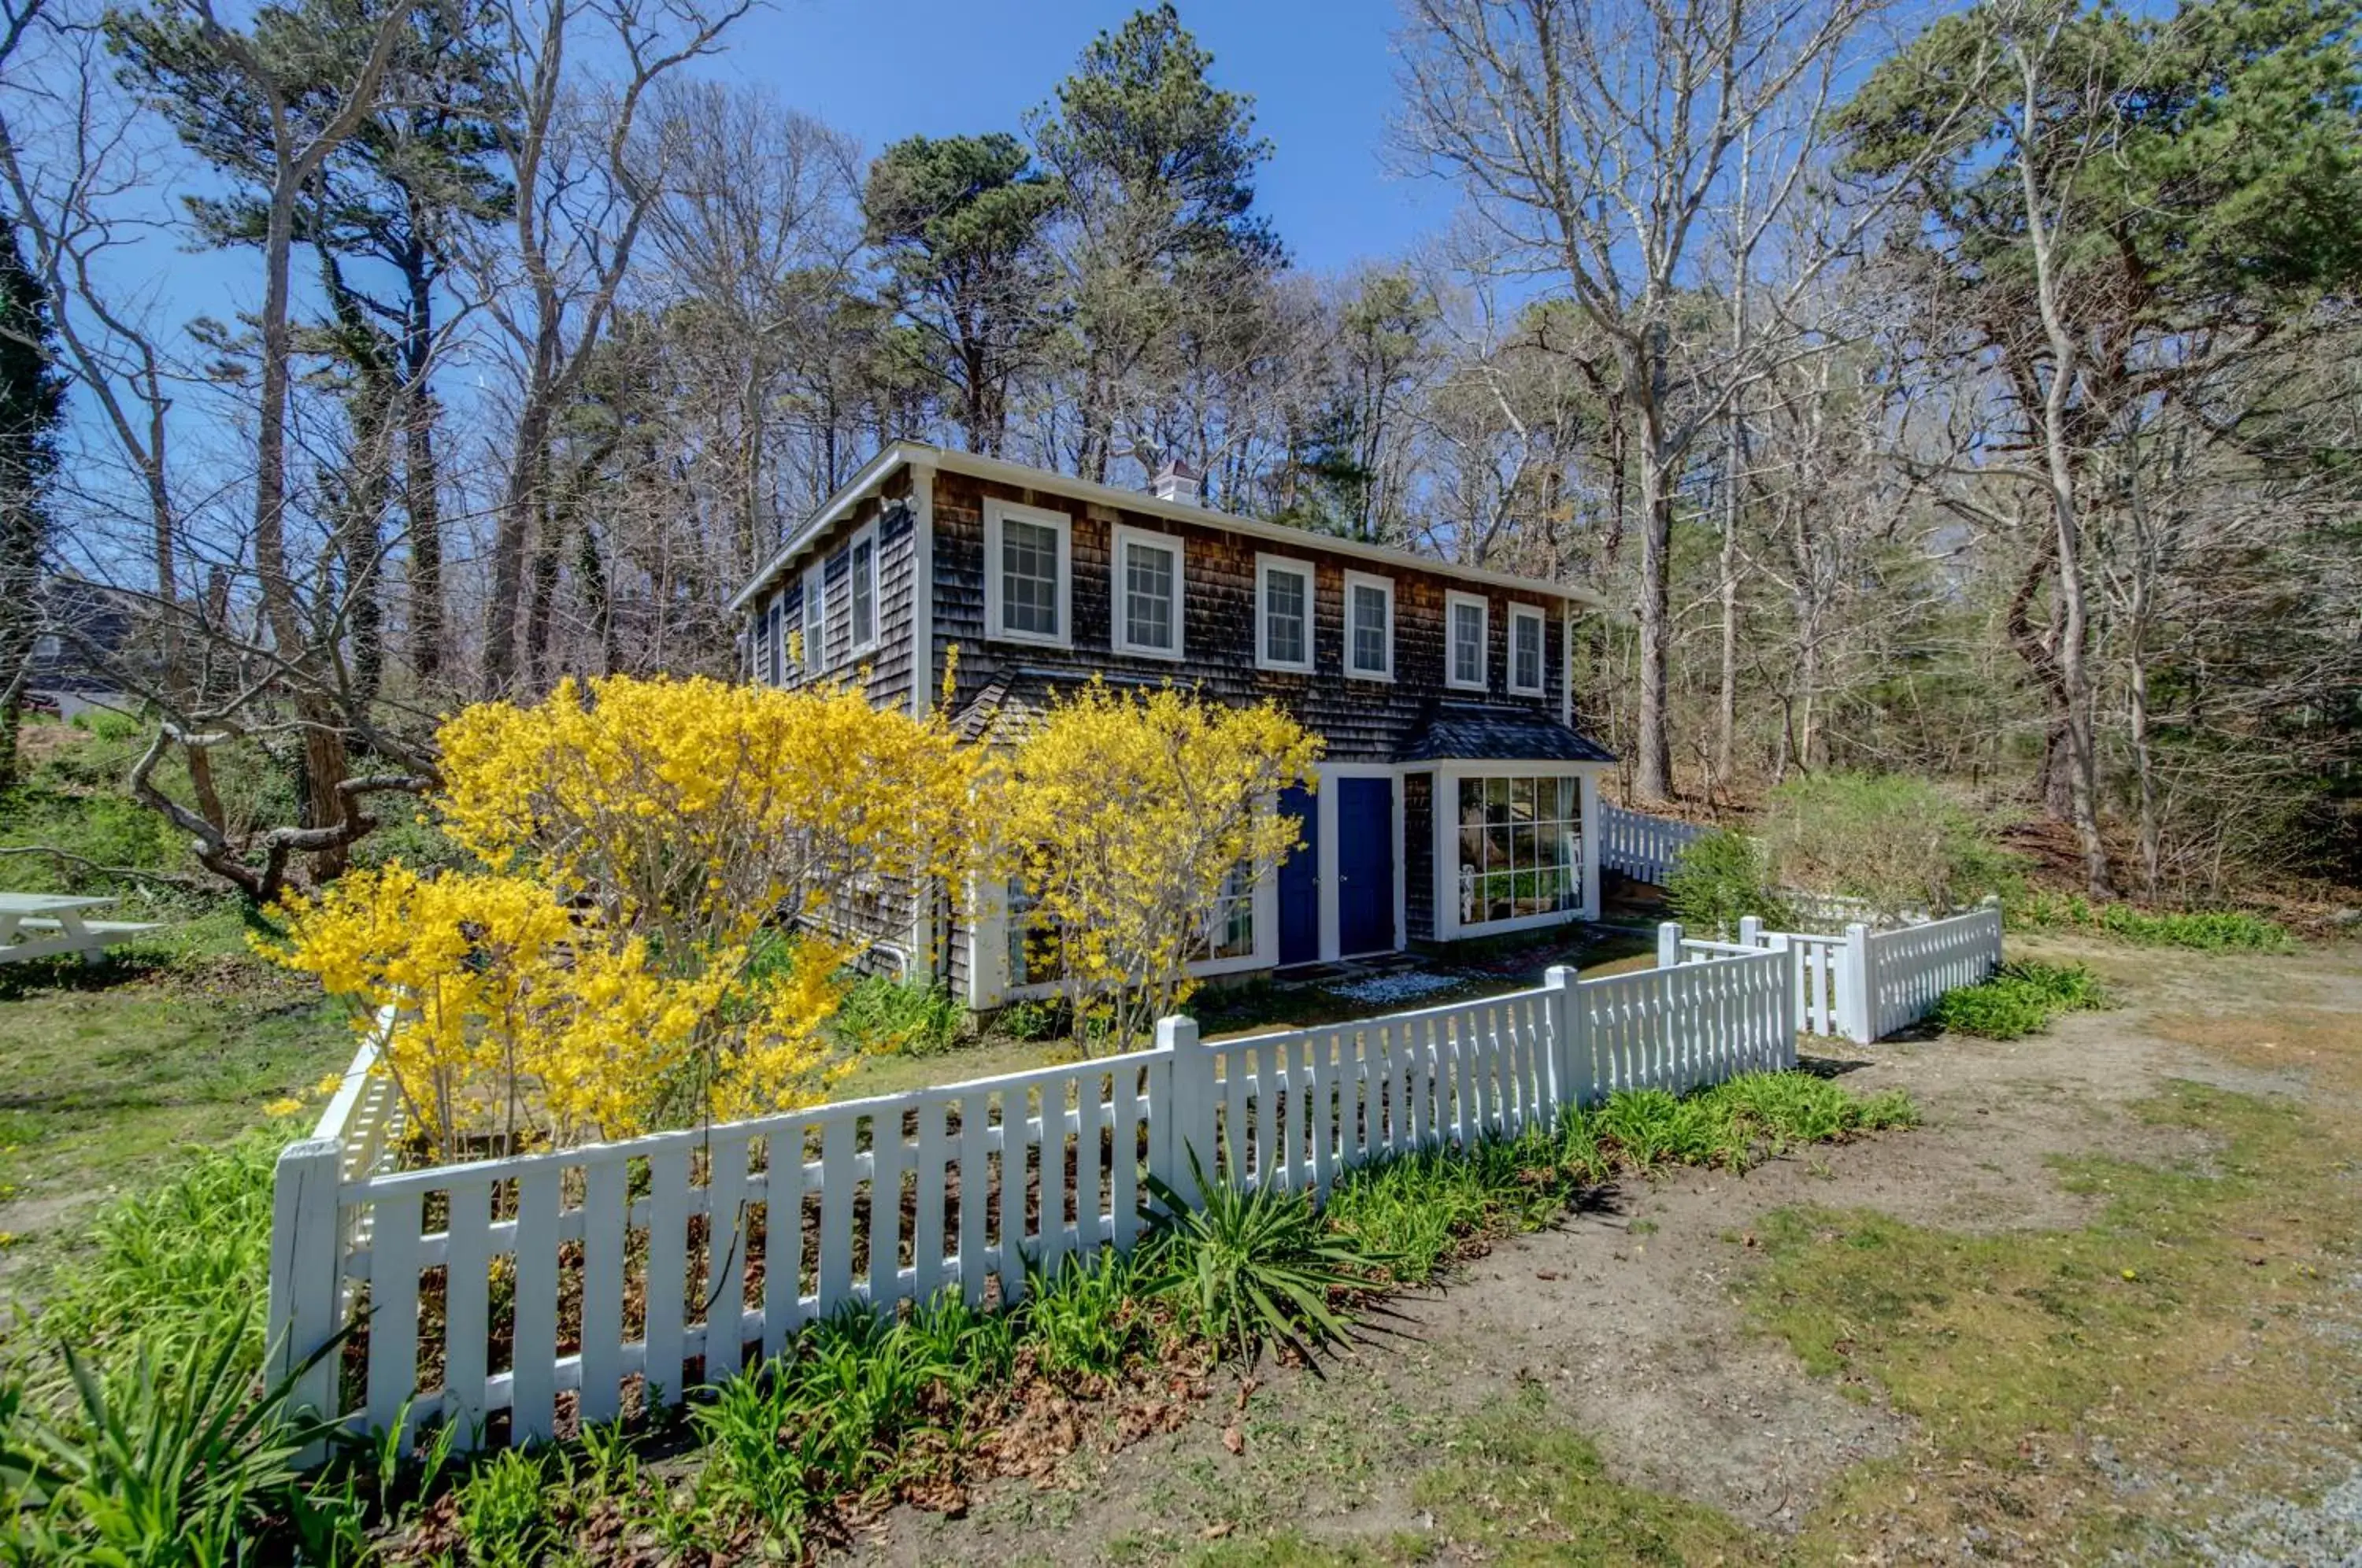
[1249, 1269]
[158, 1469]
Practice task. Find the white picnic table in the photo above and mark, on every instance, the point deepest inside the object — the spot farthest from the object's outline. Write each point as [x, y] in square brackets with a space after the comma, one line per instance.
[42, 925]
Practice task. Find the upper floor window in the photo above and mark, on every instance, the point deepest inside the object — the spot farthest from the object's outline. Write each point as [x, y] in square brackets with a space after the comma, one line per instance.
[1282, 614]
[1525, 650]
[1147, 594]
[1369, 626]
[1026, 575]
[864, 591]
[1467, 614]
[815, 618]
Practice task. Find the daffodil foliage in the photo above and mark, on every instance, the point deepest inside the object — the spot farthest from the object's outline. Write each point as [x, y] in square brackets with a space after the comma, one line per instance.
[645, 851]
[1125, 814]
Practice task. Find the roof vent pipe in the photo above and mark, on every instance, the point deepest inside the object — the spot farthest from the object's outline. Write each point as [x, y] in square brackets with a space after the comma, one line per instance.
[1177, 480]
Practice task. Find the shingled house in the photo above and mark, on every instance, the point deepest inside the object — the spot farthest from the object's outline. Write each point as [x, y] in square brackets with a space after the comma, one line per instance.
[1455, 796]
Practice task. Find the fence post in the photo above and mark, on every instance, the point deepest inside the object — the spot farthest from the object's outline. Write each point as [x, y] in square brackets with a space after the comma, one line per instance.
[1668, 944]
[1854, 999]
[307, 1275]
[1792, 988]
[1750, 930]
[1566, 1022]
[1188, 1121]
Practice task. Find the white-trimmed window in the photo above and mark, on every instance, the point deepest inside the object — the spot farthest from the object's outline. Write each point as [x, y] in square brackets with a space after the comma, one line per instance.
[1231, 922]
[1520, 848]
[1369, 626]
[815, 618]
[1467, 623]
[1283, 615]
[1146, 603]
[863, 592]
[1526, 644]
[1028, 578]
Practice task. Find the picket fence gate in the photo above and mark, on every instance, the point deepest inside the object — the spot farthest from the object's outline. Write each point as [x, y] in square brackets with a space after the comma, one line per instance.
[1864, 985]
[519, 1297]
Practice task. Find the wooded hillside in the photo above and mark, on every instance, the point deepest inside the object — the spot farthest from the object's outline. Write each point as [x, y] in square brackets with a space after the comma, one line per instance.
[1970, 393]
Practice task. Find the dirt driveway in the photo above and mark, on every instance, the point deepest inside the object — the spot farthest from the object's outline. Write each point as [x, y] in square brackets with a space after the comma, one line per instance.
[2101, 1308]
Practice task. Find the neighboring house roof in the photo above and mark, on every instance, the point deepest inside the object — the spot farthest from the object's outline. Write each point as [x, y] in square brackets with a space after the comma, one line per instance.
[905, 453]
[1471, 732]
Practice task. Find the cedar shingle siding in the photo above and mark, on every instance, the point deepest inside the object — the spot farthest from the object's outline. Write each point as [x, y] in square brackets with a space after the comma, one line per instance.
[1364, 721]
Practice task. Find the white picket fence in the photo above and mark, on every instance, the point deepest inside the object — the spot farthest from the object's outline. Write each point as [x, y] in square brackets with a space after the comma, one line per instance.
[1641, 846]
[539, 1292]
[1864, 985]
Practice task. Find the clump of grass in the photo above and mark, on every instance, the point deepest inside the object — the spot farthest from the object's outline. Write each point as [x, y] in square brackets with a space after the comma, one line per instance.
[880, 1014]
[1415, 1213]
[1089, 1319]
[2021, 999]
[167, 1267]
[2208, 931]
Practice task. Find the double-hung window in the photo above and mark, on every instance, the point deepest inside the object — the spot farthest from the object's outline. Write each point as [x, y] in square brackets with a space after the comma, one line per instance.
[815, 618]
[1147, 597]
[863, 591]
[1525, 639]
[1027, 574]
[1369, 626]
[1283, 615]
[1466, 619]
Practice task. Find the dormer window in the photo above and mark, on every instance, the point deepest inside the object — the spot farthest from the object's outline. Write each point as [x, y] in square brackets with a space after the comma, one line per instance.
[1027, 576]
[1464, 650]
[1526, 626]
[1369, 626]
[1147, 597]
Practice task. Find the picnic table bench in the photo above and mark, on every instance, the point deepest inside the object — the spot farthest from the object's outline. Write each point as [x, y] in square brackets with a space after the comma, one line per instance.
[42, 925]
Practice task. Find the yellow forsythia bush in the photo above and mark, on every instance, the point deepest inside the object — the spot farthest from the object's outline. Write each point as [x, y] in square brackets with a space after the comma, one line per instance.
[1126, 814]
[607, 967]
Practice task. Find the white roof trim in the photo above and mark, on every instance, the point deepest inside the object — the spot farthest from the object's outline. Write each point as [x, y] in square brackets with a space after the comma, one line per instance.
[975, 466]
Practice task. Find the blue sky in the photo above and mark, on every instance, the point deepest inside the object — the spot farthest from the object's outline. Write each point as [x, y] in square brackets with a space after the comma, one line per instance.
[1321, 72]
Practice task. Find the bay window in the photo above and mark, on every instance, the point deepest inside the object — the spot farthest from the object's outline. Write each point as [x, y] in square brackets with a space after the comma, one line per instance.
[1520, 841]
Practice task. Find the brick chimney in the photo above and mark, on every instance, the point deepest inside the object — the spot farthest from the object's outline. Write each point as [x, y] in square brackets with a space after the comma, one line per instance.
[1177, 480]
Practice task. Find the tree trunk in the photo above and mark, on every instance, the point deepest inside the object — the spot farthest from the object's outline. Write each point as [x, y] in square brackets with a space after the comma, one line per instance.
[1652, 776]
[421, 499]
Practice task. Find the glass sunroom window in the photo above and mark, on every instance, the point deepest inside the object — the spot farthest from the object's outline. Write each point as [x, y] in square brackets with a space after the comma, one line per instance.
[1520, 848]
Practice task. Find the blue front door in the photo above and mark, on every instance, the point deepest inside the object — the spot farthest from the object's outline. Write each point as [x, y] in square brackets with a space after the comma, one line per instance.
[1299, 883]
[1365, 866]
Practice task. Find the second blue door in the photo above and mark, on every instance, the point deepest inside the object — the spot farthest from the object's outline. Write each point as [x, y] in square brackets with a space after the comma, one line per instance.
[1365, 866]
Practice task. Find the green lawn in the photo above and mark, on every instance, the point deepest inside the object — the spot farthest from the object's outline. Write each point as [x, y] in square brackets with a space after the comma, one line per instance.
[114, 1070]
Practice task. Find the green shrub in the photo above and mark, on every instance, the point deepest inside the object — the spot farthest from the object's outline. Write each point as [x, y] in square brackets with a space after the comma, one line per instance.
[1720, 878]
[1245, 1268]
[1028, 1020]
[2020, 1000]
[1898, 844]
[2213, 931]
